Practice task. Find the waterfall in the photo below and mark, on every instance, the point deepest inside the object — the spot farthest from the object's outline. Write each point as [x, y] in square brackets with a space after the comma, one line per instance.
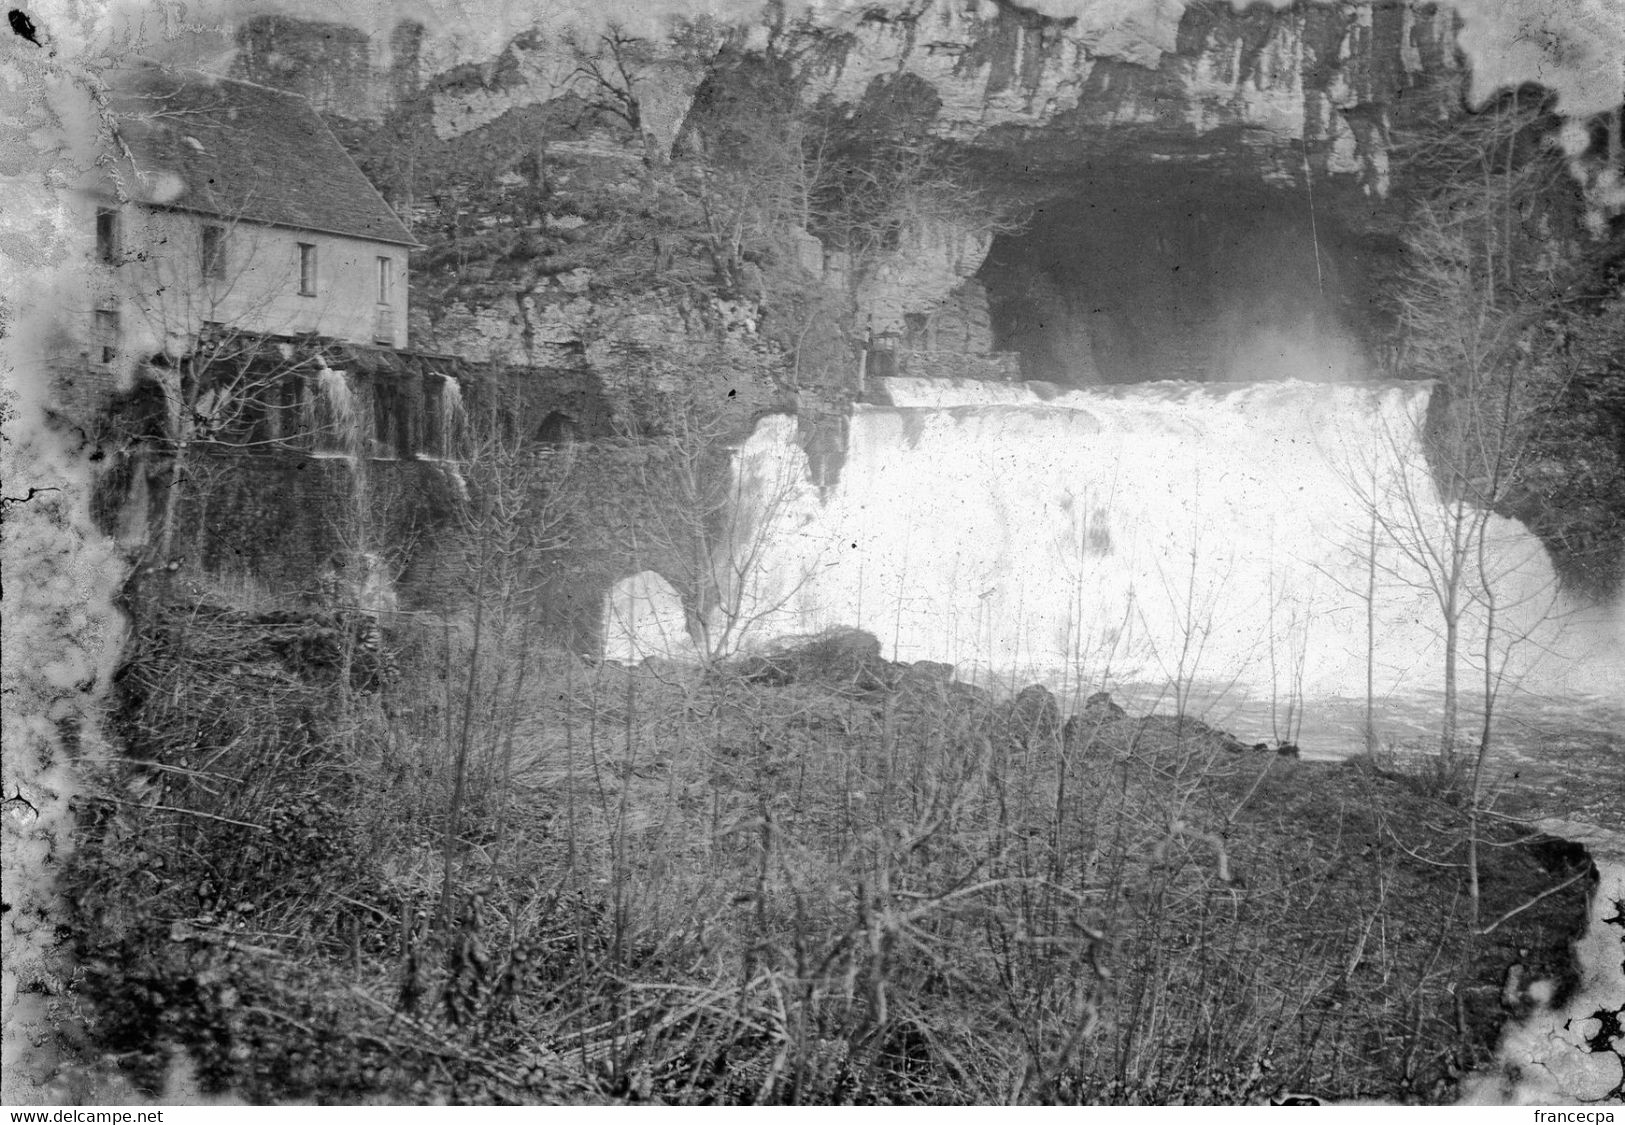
[453, 419]
[1169, 533]
[331, 416]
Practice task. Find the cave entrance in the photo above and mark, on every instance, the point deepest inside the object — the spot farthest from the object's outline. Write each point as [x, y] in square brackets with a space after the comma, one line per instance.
[1129, 274]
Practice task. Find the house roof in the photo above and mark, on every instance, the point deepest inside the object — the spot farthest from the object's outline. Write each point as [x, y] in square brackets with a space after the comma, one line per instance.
[245, 153]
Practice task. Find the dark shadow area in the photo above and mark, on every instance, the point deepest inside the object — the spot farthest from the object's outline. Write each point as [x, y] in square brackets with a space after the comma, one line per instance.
[1144, 273]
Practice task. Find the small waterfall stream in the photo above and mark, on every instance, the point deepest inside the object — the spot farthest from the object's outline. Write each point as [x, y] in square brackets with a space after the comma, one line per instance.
[452, 420]
[331, 415]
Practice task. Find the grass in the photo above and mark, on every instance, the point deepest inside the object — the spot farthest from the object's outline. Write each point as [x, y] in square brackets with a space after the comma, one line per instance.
[813, 877]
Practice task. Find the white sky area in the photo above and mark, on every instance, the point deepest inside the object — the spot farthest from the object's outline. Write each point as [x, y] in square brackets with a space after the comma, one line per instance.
[1577, 47]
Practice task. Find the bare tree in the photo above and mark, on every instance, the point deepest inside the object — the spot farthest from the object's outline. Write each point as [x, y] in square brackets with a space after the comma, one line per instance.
[1481, 281]
[607, 69]
[516, 512]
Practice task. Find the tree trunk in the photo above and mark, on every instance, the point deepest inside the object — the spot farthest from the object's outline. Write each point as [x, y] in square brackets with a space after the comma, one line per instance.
[1371, 635]
[1452, 640]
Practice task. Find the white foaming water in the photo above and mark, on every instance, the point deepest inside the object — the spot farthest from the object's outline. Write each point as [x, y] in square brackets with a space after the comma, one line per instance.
[1225, 536]
[453, 417]
[331, 415]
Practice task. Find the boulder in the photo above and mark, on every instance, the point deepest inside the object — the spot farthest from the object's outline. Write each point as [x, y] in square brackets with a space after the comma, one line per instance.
[925, 672]
[847, 658]
[1032, 719]
[1085, 728]
[1188, 731]
[1100, 708]
[924, 684]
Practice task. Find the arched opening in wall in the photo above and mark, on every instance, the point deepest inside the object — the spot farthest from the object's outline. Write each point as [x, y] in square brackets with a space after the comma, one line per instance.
[392, 411]
[1135, 273]
[558, 428]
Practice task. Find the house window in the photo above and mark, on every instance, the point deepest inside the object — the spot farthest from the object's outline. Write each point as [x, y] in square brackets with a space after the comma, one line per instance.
[214, 253]
[307, 269]
[107, 234]
[383, 325]
[106, 342]
[386, 280]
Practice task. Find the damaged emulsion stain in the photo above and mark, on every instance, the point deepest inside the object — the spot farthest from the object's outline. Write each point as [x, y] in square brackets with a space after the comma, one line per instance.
[22, 26]
[1609, 1038]
[19, 808]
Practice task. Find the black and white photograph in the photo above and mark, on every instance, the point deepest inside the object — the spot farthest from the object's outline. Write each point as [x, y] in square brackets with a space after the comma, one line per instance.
[603, 553]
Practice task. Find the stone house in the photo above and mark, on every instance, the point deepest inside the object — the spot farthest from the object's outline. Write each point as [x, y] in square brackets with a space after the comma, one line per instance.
[228, 203]
[234, 257]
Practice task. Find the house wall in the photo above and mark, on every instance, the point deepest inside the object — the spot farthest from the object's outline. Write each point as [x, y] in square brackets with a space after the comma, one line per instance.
[157, 282]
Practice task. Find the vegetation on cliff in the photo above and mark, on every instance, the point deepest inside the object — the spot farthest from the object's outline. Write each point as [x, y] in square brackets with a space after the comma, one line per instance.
[565, 227]
[1513, 306]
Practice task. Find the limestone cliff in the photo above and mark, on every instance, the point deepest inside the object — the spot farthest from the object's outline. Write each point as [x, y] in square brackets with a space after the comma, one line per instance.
[1052, 92]
[1214, 98]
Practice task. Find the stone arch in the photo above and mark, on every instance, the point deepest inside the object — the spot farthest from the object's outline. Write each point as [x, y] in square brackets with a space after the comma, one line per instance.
[558, 428]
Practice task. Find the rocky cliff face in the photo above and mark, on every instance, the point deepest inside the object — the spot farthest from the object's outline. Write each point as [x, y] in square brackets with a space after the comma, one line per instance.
[1323, 80]
[1172, 80]
[1169, 169]
[1085, 126]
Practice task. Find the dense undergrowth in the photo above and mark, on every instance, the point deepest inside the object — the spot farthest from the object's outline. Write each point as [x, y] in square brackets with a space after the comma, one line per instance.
[816, 878]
